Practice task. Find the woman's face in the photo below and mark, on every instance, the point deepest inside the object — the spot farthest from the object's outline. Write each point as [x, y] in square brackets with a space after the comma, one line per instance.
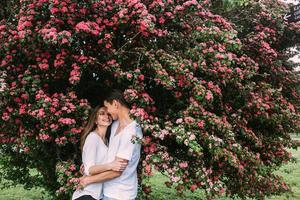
[103, 118]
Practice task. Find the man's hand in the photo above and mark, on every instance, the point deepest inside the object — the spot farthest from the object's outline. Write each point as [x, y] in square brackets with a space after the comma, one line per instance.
[118, 165]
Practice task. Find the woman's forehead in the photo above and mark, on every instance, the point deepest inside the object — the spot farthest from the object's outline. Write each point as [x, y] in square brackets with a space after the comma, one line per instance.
[103, 109]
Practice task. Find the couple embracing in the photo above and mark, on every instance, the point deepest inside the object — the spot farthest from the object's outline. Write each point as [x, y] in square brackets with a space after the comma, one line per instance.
[109, 156]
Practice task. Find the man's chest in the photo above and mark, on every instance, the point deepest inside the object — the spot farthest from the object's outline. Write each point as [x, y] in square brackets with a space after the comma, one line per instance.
[113, 147]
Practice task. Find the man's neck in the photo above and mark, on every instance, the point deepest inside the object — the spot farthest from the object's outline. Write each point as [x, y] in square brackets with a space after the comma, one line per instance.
[123, 117]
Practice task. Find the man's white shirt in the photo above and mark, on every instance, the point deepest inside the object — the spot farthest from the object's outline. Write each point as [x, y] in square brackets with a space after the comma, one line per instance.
[121, 145]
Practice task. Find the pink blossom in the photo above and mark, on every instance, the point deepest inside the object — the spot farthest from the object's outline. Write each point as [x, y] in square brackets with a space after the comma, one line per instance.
[72, 167]
[22, 109]
[44, 66]
[107, 36]
[64, 41]
[54, 10]
[179, 8]
[189, 120]
[201, 124]
[5, 116]
[147, 140]
[141, 77]
[175, 179]
[129, 76]
[183, 164]
[75, 130]
[26, 150]
[193, 187]
[44, 137]
[219, 56]
[192, 137]
[24, 96]
[41, 113]
[144, 25]
[67, 121]
[54, 126]
[178, 121]
[148, 169]
[64, 9]
[152, 148]
[161, 20]
[208, 96]
[61, 140]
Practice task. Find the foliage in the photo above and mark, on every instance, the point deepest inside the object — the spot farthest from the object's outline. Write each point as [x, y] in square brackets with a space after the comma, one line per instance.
[217, 105]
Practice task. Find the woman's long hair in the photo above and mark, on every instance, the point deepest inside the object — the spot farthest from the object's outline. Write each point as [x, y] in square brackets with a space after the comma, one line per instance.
[91, 125]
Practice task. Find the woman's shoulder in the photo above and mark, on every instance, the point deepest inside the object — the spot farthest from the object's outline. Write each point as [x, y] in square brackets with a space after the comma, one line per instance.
[92, 136]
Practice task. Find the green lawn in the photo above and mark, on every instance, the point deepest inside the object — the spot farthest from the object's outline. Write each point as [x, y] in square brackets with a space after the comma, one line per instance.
[19, 193]
[290, 172]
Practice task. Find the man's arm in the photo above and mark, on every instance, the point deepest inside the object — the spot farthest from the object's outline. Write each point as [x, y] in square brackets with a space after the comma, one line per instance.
[99, 178]
[97, 169]
[104, 176]
[116, 165]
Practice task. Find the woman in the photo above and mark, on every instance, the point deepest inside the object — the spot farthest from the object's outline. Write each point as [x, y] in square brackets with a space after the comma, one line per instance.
[94, 145]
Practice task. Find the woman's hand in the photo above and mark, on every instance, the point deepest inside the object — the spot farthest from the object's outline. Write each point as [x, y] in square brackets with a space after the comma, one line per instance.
[118, 165]
[81, 169]
[83, 182]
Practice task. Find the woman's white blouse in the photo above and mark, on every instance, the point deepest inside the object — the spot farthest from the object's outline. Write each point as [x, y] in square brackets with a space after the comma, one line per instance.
[94, 153]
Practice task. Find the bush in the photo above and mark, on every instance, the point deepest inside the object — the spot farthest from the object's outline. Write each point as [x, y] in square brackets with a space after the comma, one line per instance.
[216, 109]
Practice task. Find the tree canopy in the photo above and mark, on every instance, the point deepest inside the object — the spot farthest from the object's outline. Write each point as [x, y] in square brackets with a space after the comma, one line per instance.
[216, 95]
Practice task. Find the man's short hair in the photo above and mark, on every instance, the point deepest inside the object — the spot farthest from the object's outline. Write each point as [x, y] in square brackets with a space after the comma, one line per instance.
[117, 95]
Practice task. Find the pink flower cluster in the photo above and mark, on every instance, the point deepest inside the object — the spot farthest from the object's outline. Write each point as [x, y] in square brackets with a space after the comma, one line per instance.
[75, 74]
[67, 121]
[88, 27]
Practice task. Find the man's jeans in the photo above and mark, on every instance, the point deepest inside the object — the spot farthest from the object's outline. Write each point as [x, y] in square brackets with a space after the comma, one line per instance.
[108, 198]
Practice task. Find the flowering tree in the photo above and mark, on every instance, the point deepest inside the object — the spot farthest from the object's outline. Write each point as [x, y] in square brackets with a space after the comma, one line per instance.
[217, 105]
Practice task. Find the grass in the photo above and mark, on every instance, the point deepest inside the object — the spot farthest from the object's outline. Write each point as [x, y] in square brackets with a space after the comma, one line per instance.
[290, 173]
[19, 193]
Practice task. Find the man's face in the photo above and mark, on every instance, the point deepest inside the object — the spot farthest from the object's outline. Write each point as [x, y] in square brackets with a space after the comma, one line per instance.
[112, 108]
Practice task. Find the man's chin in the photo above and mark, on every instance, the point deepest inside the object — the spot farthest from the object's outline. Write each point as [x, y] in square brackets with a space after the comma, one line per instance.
[115, 118]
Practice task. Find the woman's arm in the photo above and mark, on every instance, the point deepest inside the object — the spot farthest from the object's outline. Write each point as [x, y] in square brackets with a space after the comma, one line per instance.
[89, 153]
[116, 165]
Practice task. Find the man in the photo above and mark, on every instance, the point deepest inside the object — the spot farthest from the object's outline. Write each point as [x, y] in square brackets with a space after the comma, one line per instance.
[120, 185]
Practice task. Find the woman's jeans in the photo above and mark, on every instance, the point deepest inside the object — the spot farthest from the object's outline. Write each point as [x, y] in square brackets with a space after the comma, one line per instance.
[86, 197]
